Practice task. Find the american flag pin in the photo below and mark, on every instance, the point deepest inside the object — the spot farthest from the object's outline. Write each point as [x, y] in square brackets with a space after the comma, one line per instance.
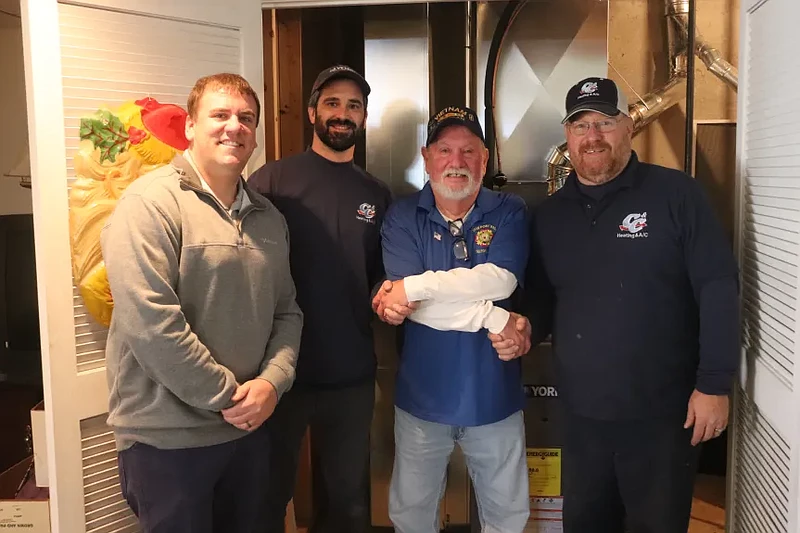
[437, 236]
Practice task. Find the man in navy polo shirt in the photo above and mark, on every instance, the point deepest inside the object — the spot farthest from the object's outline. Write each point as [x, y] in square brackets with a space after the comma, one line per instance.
[458, 250]
[633, 274]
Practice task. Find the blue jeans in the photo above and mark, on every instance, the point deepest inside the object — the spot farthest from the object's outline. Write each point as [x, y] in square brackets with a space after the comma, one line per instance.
[495, 455]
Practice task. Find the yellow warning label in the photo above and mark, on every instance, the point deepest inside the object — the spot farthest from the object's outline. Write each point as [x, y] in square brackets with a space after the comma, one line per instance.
[544, 471]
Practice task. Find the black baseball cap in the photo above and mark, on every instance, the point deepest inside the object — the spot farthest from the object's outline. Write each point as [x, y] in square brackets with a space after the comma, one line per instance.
[596, 94]
[341, 72]
[454, 115]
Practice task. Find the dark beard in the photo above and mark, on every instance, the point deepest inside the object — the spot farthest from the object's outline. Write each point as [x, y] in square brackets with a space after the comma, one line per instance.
[339, 142]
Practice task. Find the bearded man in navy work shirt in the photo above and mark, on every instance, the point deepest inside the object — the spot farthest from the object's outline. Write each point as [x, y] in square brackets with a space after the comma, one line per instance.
[333, 210]
[633, 274]
[456, 251]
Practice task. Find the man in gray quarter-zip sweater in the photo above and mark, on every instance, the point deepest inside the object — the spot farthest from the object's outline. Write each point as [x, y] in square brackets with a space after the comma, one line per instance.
[198, 264]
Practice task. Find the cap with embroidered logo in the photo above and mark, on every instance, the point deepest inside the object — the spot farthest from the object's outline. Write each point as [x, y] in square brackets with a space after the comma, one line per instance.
[596, 94]
[341, 72]
[450, 116]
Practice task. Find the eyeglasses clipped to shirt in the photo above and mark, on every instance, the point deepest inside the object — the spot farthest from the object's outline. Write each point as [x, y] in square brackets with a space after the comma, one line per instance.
[459, 245]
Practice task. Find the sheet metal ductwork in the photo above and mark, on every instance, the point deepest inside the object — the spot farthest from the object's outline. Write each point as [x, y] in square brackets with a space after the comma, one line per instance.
[651, 105]
[678, 16]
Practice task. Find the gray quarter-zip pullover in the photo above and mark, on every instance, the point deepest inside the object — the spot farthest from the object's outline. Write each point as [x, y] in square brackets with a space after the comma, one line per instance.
[203, 301]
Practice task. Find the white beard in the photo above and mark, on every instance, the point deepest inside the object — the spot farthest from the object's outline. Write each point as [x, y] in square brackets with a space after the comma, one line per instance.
[448, 193]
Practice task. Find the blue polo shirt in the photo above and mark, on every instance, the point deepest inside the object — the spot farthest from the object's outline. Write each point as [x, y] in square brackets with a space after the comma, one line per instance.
[454, 377]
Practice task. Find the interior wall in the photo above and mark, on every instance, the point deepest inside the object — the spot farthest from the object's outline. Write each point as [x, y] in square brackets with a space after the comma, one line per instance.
[637, 53]
[13, 198]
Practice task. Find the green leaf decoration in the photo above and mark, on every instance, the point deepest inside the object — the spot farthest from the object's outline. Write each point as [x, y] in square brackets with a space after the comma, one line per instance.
[106, 132]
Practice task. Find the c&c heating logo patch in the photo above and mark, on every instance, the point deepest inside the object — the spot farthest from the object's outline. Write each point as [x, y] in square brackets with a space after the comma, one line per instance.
[632, 226]
[366, 213]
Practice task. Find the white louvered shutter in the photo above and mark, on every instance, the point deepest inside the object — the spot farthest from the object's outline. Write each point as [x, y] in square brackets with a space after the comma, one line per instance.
[763, 478]
[80, 56]
[107, 60]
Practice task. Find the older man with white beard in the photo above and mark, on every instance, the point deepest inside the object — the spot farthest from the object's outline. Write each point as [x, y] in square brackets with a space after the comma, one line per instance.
[454, 253]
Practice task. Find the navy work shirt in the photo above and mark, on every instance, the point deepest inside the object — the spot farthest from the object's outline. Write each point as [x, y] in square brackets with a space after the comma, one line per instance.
[640, 286]
[334, 213]
[454, 377]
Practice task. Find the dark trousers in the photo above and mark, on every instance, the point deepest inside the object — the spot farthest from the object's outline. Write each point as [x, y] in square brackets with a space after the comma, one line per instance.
[211, 489]
[340, 423]
[637, 475]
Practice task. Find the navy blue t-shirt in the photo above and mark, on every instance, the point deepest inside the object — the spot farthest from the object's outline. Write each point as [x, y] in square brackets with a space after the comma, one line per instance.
[334, 213]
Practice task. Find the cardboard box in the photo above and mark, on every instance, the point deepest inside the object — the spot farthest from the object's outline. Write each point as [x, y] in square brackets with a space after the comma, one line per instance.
[18, 514]
[546, 515]
[544, 485]
[544, 471]
[39, 445]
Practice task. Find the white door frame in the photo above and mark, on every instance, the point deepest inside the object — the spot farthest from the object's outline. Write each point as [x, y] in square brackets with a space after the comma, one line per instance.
[71, 396]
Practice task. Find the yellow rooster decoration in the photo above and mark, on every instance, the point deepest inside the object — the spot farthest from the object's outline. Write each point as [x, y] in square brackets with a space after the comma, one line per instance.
[115, 149]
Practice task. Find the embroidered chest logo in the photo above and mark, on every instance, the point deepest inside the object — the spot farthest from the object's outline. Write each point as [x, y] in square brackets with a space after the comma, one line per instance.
[632, 226]
[366, 213]
[483, 237]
